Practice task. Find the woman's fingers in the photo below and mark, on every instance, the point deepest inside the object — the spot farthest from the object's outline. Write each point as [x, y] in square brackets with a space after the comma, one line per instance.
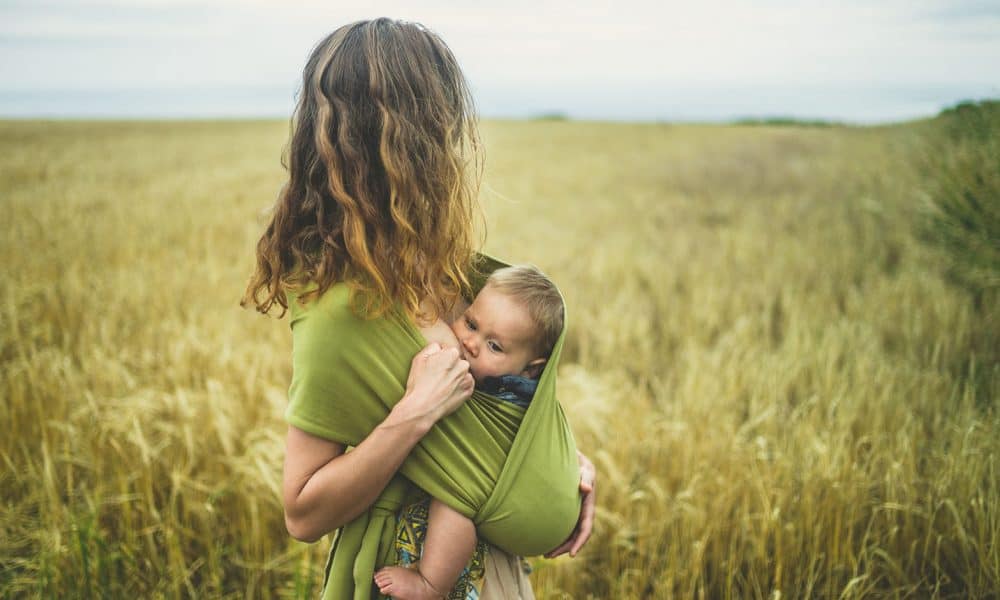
[451, 363]
[588, 473]
[464, 382]
[588, 507]
[588, 487]
[581, 533]
[429, 349]
[586, 524]
[562, 549]
[419, 362]
[439, 380]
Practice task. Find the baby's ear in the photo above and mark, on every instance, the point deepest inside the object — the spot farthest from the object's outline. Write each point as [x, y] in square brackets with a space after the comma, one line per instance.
[534, 368]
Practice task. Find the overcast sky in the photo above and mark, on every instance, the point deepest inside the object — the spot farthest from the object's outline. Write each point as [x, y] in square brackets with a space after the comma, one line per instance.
[850, 60]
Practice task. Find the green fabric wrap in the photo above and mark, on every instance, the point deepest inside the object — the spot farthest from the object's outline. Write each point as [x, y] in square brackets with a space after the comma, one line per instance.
[513, 471]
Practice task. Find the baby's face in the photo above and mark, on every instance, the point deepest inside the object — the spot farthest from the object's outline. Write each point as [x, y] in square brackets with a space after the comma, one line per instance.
[496, 336]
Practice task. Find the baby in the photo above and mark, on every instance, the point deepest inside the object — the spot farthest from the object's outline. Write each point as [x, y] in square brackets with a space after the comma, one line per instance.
[506, 335]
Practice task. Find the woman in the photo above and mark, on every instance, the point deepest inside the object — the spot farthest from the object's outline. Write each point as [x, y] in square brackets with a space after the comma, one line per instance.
[377, 217]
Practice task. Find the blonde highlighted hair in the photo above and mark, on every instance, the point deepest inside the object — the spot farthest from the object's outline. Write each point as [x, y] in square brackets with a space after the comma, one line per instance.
[383, 170]
[540, 296]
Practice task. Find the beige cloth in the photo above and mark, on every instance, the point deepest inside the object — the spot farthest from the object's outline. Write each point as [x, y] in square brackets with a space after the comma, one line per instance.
[505, 578]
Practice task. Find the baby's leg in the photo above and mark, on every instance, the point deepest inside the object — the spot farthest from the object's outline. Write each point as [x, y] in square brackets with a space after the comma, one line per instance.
[450, 542]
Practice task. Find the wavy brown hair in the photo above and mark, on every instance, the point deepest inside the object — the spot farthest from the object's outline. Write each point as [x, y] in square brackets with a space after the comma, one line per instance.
[383, 164]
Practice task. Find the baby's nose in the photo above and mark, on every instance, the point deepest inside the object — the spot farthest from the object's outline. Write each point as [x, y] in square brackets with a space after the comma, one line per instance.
[470, 345]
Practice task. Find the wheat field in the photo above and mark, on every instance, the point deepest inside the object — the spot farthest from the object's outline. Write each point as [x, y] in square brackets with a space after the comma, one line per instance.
[782, 394]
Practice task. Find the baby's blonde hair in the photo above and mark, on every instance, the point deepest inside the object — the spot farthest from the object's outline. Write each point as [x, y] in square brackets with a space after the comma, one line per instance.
[527, 284]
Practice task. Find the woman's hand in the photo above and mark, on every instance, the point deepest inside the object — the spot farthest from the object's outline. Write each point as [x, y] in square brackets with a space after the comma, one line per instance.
[585, 524]
[324, 487]
[438, 383]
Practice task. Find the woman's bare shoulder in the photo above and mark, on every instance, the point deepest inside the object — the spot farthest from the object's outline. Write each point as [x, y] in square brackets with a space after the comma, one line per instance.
[439, 330]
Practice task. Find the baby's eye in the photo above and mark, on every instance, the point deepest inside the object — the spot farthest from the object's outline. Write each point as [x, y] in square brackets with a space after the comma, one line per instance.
[495, 347]
[470, 324]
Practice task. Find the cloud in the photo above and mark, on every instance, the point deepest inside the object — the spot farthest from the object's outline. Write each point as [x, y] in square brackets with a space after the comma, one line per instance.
[516, 45]
[963, 11]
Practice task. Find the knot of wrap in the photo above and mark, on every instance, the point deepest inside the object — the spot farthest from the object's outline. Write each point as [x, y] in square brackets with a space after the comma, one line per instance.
[365, 545]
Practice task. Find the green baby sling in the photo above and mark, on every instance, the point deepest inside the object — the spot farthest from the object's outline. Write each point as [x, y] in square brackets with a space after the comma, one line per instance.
[513, 471]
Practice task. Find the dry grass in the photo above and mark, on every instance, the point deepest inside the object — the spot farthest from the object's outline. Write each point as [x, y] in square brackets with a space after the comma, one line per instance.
[781, 393]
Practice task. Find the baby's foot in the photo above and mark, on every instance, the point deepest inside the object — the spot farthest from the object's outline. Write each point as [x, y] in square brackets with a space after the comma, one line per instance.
[405, 584]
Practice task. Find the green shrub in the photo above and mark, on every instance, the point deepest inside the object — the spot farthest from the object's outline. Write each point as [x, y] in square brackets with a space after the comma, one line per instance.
[963, 213]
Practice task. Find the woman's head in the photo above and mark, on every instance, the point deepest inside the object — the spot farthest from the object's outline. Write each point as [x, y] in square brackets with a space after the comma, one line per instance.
[383, 168]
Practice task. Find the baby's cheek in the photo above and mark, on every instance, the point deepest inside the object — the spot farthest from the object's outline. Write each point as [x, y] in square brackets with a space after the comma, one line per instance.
[476, 372]
[474, 369]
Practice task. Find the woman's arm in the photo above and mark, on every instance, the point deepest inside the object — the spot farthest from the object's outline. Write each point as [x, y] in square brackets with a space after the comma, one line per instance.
[325, 488]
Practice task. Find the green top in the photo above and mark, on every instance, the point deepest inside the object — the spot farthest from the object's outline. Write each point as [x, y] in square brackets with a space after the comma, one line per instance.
[513, 471]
